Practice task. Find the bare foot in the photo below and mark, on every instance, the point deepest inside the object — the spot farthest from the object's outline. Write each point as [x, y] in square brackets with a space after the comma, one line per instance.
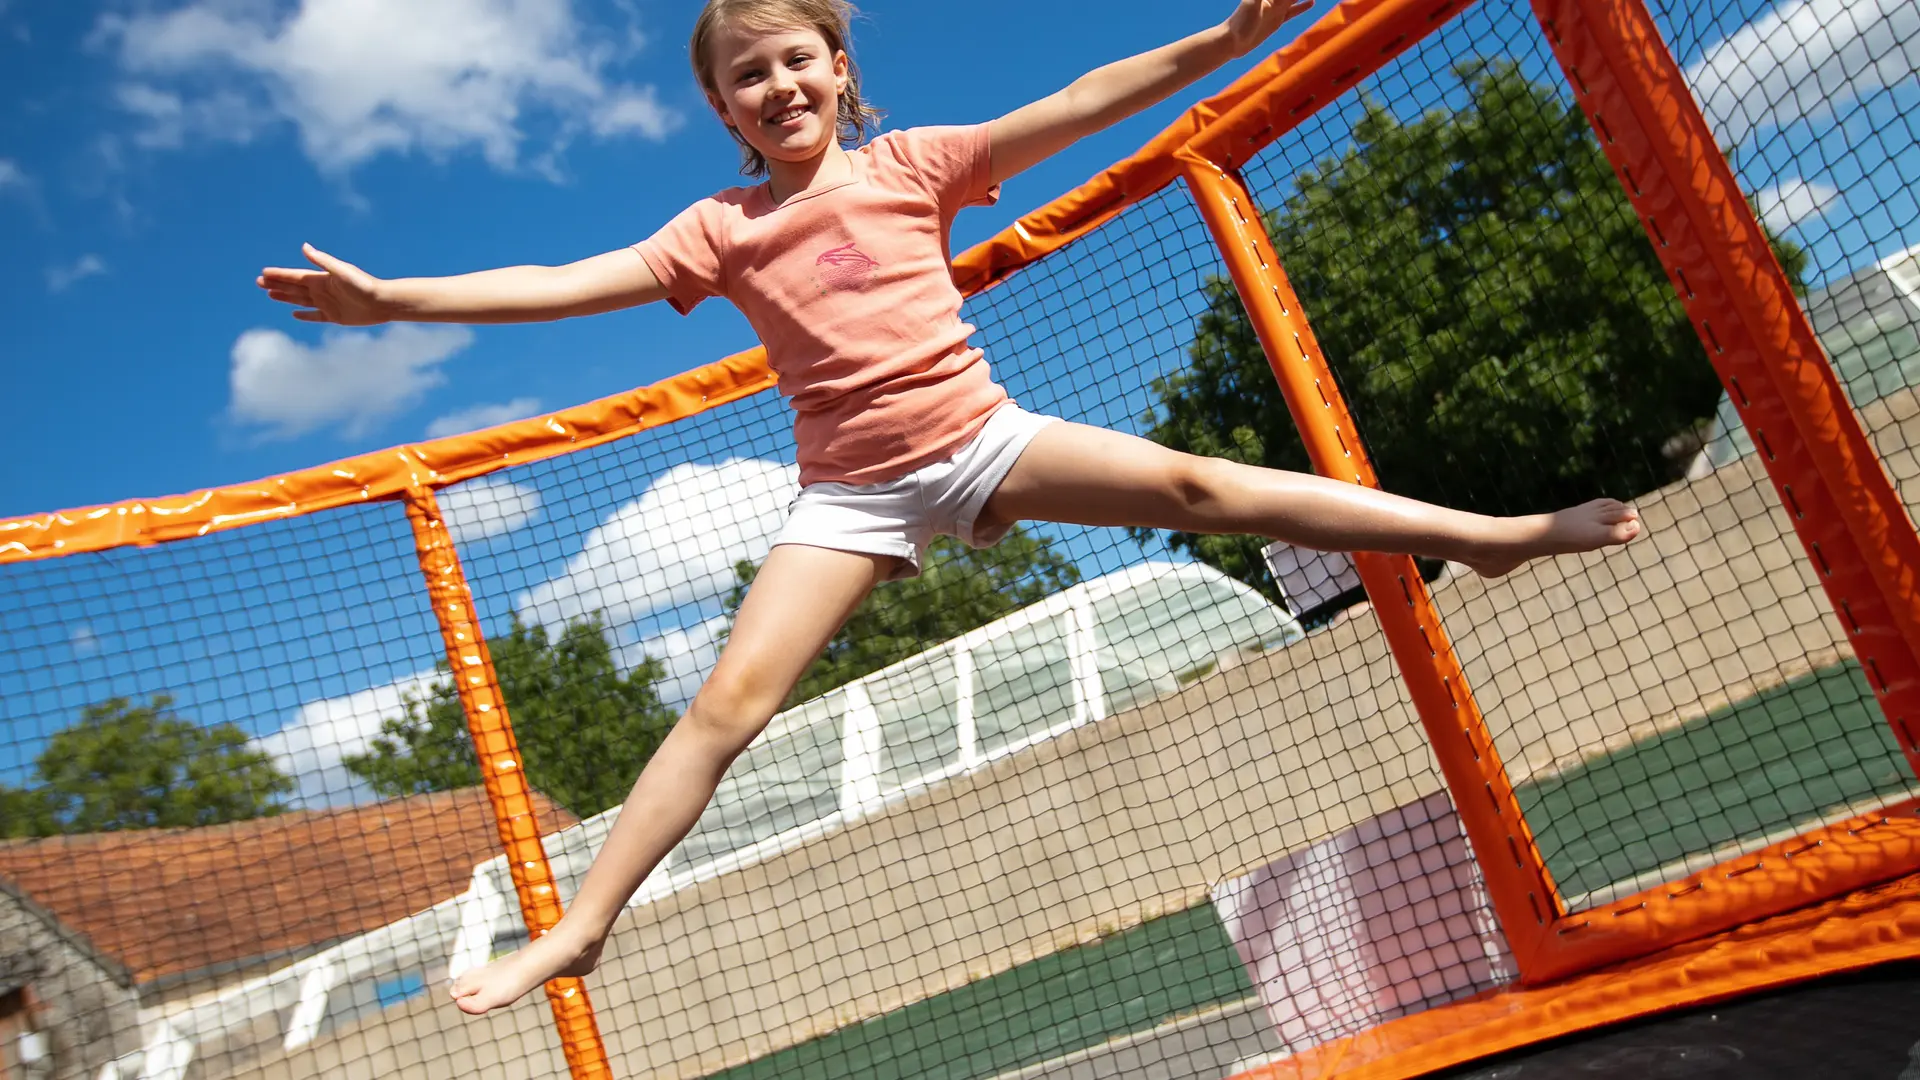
[508, 979]
[1597, 524]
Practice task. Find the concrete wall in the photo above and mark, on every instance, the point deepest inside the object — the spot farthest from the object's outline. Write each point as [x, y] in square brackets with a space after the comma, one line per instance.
[88, 1008]
[1138, 815]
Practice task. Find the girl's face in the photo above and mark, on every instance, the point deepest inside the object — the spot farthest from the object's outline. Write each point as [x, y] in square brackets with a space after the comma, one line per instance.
[780, 89]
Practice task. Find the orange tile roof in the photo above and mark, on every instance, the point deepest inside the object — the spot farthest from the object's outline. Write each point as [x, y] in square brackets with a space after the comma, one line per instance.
[178, 903]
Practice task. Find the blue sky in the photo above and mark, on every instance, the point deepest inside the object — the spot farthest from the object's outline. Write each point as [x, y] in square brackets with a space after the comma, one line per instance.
[153, 165]
[154, 155]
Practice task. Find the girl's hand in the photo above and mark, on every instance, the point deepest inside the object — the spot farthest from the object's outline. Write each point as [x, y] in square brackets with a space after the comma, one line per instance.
[1254, 21]
[338, 292]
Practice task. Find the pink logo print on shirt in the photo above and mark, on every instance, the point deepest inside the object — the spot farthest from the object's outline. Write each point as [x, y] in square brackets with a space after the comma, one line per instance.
[844, 266]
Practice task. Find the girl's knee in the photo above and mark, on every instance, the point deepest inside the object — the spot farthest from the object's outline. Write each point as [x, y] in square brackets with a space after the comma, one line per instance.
[734, 703]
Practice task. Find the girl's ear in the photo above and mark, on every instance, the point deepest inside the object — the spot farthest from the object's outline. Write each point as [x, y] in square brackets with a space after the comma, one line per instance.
[720, 109]
[840, 67]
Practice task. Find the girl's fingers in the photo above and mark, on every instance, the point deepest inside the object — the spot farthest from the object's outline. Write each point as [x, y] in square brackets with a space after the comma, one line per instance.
[285, 274]
[327, 262]
[311, 316]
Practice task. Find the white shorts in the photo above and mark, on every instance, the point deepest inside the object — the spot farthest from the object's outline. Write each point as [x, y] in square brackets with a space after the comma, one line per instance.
[901, 517]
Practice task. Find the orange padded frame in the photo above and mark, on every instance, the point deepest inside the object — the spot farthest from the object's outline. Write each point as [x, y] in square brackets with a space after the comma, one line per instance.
[385, 474]
[1771, 363]
[1522, 892]
[501, 772]
[1842, 505]
[1844, 508]
[1767, 356]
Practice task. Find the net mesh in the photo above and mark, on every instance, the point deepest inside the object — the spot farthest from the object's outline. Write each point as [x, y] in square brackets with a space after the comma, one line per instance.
[1122, 801]
[180, 721]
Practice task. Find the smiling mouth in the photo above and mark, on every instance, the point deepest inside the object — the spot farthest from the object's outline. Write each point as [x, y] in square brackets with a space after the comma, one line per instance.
[788, 115]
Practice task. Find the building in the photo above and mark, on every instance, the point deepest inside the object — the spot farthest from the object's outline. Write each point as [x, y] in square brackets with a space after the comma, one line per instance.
[66, 1010]
[110, 933]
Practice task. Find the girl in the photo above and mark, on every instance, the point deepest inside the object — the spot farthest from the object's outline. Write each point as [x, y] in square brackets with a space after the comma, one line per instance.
[839, 260]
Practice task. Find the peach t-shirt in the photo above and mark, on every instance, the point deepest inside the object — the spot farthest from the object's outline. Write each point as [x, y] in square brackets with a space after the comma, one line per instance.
[849, 288]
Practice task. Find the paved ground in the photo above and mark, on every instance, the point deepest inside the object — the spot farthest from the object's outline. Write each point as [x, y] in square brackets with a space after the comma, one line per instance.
[1212, 1045]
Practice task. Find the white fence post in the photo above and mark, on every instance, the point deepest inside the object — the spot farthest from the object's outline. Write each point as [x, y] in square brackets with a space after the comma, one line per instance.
[482, 908]
[1089, 697]
[964, 727]
[860, 752]
[312, 1008]
[166, 1055]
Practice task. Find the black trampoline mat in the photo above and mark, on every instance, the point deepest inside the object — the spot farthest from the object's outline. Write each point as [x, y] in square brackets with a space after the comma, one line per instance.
[1864, 1026]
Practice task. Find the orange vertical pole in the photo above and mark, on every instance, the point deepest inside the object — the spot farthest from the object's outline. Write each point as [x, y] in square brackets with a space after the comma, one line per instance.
[1522, 891]
[1845, 510]
[501, 771]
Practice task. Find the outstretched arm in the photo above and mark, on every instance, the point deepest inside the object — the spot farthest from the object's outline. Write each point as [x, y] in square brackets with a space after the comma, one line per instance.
[1107, 95]
[340, 292]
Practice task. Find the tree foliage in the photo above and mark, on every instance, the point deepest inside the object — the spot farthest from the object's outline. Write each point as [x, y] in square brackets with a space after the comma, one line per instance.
[584, 729]
[127, 766]
[26, 812]
[1490, 306]
[959, 588]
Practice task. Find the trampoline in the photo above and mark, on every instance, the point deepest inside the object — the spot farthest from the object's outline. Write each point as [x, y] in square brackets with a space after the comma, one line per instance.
[1854, 1026]
[1643, 813]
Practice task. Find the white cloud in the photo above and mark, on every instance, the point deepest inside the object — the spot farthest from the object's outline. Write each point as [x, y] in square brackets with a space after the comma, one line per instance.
[310, 747]
[637, 112]
[11, 176]
[1794, 201]
[687, 655]
[62, 278]
[482, 416]
[171, 119]
[1804, 60]
[358, 78]
[82, 640]
[674, 546]
[485, 507]
[352, 378]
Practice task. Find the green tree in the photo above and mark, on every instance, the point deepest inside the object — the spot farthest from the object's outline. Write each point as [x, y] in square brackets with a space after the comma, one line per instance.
[584, 729]
[26, 812]
[958, 589]
[126, 766]
[1490, 306]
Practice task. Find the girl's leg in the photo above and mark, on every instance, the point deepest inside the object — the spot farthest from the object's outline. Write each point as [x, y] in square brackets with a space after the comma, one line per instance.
[796, 604]
[1090, 476]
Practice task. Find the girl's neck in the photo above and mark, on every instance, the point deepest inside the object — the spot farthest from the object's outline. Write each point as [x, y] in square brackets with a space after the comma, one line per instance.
[785, 179]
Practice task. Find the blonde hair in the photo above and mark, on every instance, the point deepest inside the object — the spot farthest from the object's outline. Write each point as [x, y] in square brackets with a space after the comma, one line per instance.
[829, 18]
